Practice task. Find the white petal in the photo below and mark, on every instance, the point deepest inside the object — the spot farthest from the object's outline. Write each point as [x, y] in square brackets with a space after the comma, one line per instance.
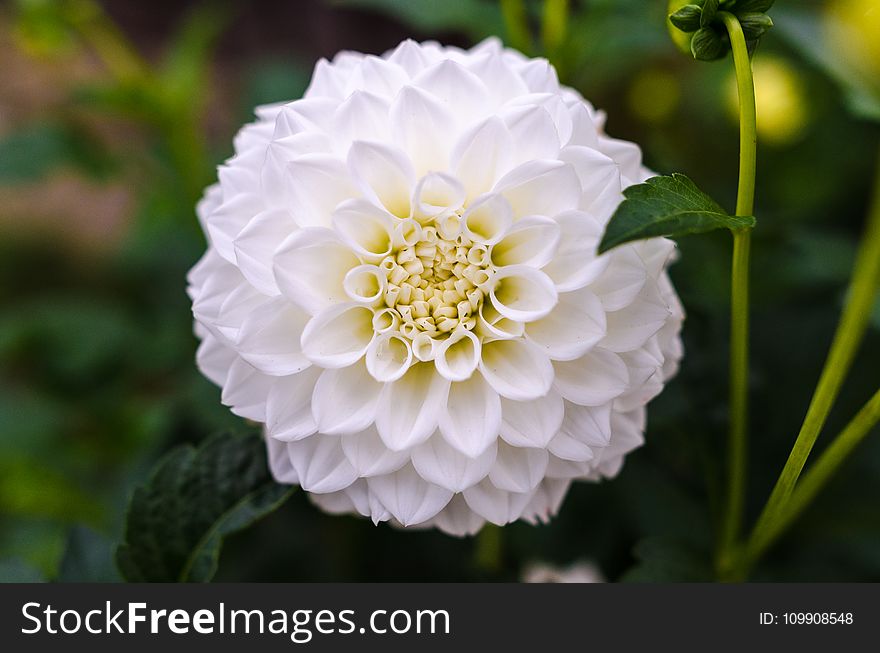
[627, 155]
[276, 188]
[365, 284]
[522, 293]
[532, 241]
[441, 464]
[560, 469]
[369, 455]
[546, 501]
[269, 338]
[575, 263]
[487, 220]
[627, 431]
[289, 406]
[458, 89]
[499, 507]
[327, 81]
[596, 171]
[345, 400]
[227, 220]
[255, 247]
[318, 183]
[630, 327]
[572, 328]
[320, 464]
[361, 117]
[532, 423]
[542, 187]
[471, 419]
[585, 130]
[501, 80]
[458, 519]
[410, 408]
[214, 359]
[516, 369]
[645, 367]
[224, 301]
[410, 56]
[350, 500]
[389, 357]
[592, 380]
[310, 267]
[539, 76]
[584, 430]
[481, 156]
[518, 469]
[338, 336]
[409, 498]
[623, 279]
[365, 227]
[304, 115]
[533, 132]
[377, 76]
[421, 123]
[556, 107]
[245, 391]
[384, 174]
[494, 326]
[211, 199]
[436, 193]
[457, 357]
[279, 462]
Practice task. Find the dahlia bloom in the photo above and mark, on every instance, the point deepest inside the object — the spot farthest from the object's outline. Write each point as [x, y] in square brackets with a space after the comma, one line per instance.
[402, 285]
[577, 572]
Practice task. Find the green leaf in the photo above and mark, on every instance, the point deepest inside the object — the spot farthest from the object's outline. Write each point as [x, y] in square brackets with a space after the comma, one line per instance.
[754, 25]
[748, 6]
[88, 558]
[667, 206]
[710, 8]
[687, 19]
[708, 45]
[195, 497]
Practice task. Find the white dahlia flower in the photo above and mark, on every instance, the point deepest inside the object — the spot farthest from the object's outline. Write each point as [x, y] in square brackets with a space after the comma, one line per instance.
[577, 572]
[402, 285]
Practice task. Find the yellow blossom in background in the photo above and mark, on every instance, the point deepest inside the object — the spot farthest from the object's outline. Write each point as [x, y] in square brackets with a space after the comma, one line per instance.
[781, 100]
[852, 29]
[654, 95]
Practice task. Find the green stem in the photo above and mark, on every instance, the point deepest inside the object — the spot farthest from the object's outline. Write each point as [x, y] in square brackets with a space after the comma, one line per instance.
[487, 552]
[108, 42]
[862, 290]
[739, 297]
[516, 23]
[554, 25]
[816, 477]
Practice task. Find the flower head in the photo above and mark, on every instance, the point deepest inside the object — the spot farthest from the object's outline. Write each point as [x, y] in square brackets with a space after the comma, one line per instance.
[402, 285]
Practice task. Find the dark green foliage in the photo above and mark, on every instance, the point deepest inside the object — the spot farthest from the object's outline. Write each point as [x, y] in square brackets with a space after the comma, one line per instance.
[667, 206]
[176, 523]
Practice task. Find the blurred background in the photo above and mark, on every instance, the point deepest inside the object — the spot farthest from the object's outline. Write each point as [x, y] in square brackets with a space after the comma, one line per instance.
[113, 116]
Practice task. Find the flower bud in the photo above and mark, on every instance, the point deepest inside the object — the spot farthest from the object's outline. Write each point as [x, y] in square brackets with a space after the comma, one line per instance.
[687, 19]
[708, 45]
[754, 25]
